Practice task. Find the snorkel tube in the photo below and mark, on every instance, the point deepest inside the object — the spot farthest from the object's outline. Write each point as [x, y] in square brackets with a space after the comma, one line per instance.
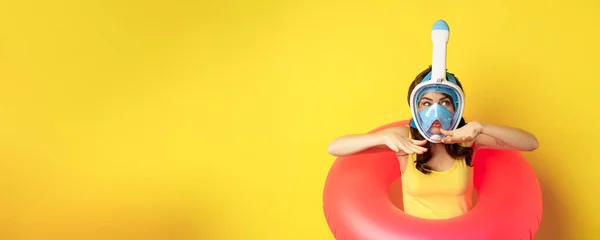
[440, 34]
[438, 80]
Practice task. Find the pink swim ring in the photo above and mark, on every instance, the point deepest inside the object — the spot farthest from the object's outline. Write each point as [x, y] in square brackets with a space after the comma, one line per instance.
[357, 205]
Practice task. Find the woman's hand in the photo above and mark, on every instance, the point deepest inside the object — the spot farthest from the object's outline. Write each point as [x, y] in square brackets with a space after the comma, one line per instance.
[400, 143]
[467, 133]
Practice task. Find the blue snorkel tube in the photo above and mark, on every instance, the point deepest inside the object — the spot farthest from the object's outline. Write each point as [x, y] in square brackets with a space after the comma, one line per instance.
[438, 80]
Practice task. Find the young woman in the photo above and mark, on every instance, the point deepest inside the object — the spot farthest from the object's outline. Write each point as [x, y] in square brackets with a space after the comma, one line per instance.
[436, 177]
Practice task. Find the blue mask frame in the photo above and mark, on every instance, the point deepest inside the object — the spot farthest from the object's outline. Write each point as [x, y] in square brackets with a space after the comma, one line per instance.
[435, 112]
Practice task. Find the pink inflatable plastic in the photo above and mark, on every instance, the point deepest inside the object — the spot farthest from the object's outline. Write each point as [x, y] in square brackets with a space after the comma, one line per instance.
[357, 205]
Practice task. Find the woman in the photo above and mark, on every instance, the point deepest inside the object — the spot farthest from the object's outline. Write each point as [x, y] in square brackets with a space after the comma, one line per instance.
[436, 175]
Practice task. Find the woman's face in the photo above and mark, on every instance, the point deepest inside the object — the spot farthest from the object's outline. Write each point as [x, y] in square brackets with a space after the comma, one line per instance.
[431, 98]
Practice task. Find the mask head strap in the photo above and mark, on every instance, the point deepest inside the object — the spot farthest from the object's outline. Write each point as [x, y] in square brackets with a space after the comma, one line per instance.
[449, 77]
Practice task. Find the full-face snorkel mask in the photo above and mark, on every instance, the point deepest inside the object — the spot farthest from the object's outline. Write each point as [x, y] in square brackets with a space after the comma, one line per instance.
[443, 110]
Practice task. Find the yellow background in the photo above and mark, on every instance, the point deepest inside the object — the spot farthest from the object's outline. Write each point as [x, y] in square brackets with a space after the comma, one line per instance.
[210, 120]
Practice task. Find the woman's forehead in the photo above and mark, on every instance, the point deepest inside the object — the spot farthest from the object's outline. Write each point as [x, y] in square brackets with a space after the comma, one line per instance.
[434, 95]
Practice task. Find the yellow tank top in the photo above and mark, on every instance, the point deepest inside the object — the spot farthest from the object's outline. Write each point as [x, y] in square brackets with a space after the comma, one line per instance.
[438, 195]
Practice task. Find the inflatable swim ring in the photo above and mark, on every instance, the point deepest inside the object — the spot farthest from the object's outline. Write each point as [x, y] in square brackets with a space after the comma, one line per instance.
[357, 205]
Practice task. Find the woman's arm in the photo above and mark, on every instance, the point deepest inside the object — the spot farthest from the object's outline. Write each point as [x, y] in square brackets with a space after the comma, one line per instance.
[394, 138]
[503, 137]
[353, 143]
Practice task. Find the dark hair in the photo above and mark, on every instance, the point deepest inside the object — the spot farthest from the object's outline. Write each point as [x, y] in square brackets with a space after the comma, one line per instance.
[454, 150]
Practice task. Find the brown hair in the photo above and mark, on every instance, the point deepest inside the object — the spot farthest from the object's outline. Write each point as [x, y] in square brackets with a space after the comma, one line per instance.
[454, 150]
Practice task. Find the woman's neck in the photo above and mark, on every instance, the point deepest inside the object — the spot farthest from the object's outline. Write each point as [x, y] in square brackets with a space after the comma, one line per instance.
[435, 147]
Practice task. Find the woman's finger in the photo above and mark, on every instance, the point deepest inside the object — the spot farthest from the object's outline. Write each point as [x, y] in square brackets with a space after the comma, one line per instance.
[415, 148]
[449, 139]
[421, 150]
[447, 133]
[406, 149]
[418, 147]
[418, 142]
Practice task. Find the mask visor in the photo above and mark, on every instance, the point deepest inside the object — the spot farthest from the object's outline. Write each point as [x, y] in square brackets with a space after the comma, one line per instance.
[436, 106]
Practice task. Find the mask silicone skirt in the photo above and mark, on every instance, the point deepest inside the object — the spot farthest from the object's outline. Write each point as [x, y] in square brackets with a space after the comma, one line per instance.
[436, 106]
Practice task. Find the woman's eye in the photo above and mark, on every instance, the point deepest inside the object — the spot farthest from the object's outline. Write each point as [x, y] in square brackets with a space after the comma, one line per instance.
[426, 104]
[445, 103]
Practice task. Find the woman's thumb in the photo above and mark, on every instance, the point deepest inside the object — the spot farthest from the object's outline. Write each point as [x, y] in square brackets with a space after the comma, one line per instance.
[447, 133]
[419, 142]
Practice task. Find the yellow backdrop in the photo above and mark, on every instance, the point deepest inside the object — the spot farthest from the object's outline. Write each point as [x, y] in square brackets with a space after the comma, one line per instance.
[210, 120]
